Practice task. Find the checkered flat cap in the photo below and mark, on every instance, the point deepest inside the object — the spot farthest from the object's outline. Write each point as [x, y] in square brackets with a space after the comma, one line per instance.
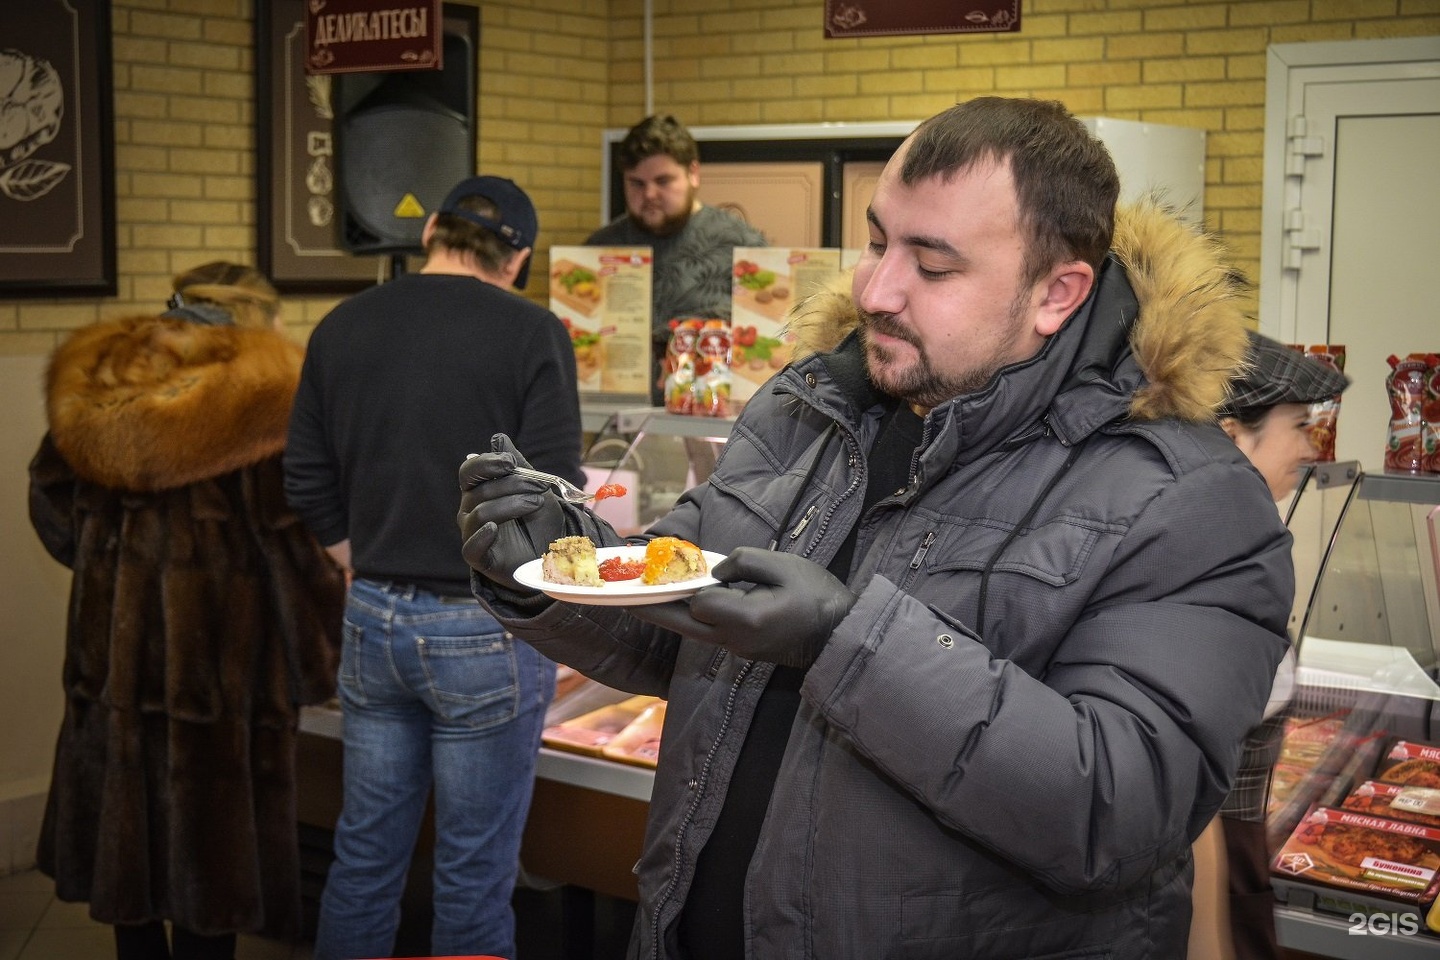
[1276, 374]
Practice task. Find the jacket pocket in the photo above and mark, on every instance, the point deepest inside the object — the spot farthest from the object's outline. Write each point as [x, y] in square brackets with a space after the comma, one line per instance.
[949, 925]
[1054, 553]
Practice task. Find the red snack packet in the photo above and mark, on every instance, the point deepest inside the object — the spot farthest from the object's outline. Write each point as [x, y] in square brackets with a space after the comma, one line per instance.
[1325, 414]
[1404, 447]
[712, 370]
[1430, 416]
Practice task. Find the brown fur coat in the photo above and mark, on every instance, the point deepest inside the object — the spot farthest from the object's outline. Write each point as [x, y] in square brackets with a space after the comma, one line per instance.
[201, 615]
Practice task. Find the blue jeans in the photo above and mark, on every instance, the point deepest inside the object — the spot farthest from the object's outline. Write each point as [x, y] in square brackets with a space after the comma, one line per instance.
[432, 691]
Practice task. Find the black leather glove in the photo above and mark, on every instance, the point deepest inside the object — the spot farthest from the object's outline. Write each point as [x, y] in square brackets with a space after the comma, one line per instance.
[505, 520]
[776, 607]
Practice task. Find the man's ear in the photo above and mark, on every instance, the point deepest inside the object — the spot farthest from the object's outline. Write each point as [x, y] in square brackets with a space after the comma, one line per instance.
[511, 270]
[1064, 289]
[429, 230]
[1231, 426]
[693, 172]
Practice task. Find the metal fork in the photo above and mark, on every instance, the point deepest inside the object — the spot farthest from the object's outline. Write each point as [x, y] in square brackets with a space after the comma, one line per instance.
[567, 490]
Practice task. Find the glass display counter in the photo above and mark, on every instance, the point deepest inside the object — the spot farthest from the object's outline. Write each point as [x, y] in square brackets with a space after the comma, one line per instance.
[656, 456]
[1355, 798]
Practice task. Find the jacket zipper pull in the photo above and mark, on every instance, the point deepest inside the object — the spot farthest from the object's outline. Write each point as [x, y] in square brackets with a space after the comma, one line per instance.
[804, 521]
[919, 557]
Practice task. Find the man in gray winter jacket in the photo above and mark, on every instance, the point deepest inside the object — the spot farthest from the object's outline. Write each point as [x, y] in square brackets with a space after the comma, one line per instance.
[1000, 602]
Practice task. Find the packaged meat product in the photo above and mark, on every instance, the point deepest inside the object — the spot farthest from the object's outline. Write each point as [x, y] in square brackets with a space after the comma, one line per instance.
[1405, 445]
[1396, 801]
[590, 732]
[1411, 762]
[1375, 856]
[1305, 741]
[639, 742]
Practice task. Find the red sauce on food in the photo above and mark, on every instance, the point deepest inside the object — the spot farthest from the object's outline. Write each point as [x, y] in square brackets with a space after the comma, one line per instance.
[618, 568]
[610, 490]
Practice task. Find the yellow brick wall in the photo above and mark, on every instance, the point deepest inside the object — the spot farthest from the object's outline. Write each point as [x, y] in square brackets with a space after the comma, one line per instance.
[555, 73]
[1192, 64]
[184, 114]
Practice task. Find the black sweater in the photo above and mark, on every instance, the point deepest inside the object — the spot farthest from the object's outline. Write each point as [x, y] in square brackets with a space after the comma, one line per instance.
[402, 381]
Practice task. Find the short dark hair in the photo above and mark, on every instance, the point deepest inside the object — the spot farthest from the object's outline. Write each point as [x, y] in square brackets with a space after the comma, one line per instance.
[468, 239]
[655, 135]
[1065, 179]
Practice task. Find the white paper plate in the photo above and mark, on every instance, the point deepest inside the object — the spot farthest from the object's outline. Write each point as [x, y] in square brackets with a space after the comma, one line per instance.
[621, 593]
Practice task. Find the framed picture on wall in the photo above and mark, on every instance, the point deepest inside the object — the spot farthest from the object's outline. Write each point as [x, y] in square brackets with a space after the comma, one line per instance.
[299, 213]
[295, 192]
[57, 150]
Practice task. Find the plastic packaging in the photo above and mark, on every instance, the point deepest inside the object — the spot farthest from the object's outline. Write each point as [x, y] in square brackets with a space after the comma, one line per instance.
[1430, 416]
[1405, 444]
[1325, 414]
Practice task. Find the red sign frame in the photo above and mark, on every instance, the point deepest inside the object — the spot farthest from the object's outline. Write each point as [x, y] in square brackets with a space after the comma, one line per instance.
[890, 18]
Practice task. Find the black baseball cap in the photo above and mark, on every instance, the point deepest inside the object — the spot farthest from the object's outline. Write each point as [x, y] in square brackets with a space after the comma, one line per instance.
[518, 224]
[1275, 373]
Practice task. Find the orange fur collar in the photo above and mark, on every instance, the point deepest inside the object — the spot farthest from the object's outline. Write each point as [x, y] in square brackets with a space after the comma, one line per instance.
[150, 403]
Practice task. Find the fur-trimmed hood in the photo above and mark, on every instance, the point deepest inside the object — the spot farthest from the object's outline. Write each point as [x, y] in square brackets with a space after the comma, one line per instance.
[1188, 339]
[151, 403]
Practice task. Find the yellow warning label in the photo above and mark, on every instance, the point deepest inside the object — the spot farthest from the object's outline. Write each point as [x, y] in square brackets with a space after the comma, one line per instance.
[409, 207]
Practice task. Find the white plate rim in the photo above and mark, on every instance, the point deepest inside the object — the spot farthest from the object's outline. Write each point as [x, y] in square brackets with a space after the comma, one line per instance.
[624, 594]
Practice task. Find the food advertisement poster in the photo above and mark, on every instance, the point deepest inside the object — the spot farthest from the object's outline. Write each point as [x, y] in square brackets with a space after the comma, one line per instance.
[768, 281]
[602, 295]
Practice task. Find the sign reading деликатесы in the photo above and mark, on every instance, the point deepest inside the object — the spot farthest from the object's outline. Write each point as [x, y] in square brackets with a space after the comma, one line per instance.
[888, 18]
[359, 36]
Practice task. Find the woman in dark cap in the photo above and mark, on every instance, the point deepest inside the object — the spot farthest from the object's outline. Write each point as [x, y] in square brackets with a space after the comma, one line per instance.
[201, 615]
[1268, 415]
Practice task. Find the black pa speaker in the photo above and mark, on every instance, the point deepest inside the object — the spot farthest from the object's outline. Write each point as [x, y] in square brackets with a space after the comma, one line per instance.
[402, 140]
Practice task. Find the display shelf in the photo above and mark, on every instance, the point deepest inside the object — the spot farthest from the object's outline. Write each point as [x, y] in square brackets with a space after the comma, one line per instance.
[588, 773]
[595, 773]
[323, 721]
[1344, 938]
[596, 416]
[1369, 645]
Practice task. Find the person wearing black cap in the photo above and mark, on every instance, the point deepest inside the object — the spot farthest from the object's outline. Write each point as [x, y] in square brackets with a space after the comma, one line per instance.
[400, 383]
[1268, 414]
[1268, 411]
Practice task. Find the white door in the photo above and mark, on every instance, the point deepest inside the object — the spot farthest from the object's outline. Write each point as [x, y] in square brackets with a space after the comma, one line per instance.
[1352, 214]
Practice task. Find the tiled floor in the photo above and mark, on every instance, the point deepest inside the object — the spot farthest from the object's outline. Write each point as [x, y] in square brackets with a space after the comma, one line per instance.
[36, 926]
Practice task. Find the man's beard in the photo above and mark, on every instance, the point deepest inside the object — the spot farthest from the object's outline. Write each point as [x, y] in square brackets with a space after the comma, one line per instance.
[921, 384]
[671, 224]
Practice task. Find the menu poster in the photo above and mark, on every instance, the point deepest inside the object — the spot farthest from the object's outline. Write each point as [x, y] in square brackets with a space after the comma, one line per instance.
[602, 295]
[768, 282]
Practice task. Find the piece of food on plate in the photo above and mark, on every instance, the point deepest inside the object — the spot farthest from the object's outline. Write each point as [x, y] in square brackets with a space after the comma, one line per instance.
[571, 560]
[619, 568]
[672, 560]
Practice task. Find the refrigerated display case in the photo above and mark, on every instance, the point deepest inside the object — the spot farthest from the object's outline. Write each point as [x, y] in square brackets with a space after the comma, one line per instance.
[1369, 653]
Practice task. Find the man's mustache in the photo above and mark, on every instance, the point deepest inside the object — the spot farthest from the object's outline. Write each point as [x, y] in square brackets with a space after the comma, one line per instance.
[887, 324]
